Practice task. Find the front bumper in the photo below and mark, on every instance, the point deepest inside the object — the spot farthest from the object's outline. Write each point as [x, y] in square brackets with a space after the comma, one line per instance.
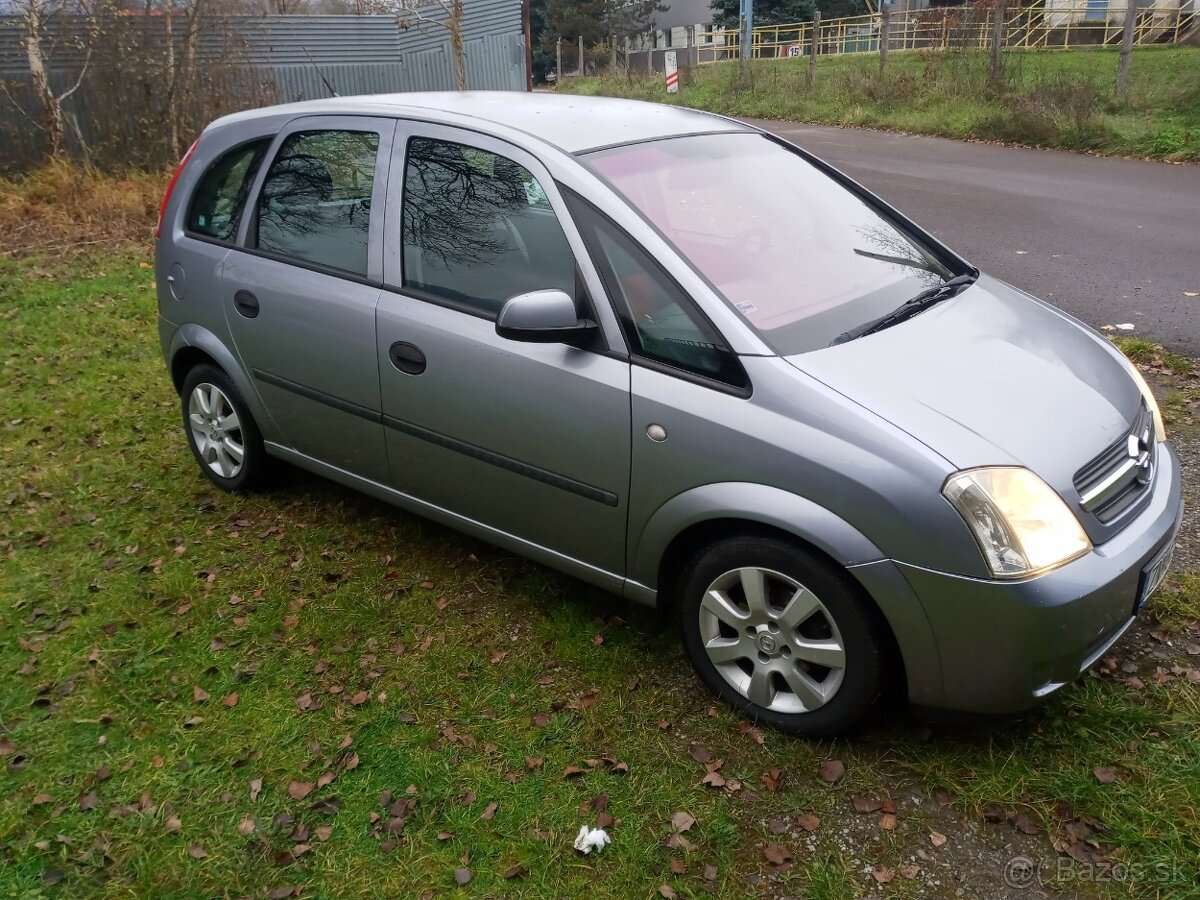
[1001, 645]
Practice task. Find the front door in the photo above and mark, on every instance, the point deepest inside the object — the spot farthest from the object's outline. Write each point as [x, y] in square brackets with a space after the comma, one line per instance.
[302, 286]
[530, 439]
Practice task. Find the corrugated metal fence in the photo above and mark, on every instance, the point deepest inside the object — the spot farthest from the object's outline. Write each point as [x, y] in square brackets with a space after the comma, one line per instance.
[117, 115]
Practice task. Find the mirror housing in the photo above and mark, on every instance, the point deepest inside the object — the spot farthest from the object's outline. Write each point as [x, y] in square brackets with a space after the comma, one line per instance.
[543, 317]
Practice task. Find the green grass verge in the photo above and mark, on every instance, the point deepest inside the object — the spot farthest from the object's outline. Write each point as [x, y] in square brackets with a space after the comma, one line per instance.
[136, 601]
[1048, 98]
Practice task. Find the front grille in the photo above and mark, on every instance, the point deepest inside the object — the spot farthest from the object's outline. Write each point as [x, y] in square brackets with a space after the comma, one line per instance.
[1113, 482]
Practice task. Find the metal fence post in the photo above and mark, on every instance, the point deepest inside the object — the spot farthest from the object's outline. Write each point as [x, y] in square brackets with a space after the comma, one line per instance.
[812, 47]
[1122, 85]
[558, 61]
[884, 36]
[581, 68]
[612, 61]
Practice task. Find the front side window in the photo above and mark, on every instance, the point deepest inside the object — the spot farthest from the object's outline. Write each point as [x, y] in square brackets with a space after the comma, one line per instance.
[659, 319]
[315, 204]
[220, 196]
[479, 228]
[800, 257]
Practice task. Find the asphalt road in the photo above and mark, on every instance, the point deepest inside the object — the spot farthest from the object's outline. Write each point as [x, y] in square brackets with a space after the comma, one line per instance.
[1111, 241]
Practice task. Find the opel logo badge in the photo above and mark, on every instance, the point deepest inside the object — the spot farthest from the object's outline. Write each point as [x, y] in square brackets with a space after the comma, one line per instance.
[767, 643]
[1139, 452]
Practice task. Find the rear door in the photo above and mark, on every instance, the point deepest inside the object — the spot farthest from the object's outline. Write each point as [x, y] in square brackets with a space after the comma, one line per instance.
[530, 439]
[301, 288]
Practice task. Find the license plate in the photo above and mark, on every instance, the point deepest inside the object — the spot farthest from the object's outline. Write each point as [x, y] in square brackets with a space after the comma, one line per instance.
[1153, 575]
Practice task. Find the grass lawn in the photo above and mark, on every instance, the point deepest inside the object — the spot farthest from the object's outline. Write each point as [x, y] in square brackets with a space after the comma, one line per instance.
[307, 692]
[1049, 99]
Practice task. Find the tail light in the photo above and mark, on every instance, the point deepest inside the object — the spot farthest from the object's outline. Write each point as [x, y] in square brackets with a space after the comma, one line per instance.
[171, 187]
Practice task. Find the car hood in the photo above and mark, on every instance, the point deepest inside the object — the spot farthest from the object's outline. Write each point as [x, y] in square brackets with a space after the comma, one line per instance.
[990, 377]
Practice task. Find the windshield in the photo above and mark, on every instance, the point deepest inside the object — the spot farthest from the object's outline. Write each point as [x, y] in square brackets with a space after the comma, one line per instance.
[797, 255]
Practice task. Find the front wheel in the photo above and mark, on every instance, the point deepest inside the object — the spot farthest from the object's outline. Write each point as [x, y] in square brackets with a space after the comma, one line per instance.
[221, 432]
[781, 635]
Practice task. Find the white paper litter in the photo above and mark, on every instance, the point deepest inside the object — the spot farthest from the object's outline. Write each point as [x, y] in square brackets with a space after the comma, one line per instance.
[1126, 326]
[595, 839]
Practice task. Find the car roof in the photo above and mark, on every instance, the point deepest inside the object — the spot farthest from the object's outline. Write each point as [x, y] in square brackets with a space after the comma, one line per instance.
[570, 122]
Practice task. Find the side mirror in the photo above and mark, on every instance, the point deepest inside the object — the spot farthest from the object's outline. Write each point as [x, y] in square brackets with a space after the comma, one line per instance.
[543, 317]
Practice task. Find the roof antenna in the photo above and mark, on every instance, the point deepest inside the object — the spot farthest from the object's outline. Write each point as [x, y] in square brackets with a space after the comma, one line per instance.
[324, 80]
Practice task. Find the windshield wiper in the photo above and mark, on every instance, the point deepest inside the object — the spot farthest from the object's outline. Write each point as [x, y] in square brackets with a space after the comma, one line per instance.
[910, 308]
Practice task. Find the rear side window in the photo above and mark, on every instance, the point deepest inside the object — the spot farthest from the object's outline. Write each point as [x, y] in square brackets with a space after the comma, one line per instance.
[479, 228]
[217, 204]
[315, 203]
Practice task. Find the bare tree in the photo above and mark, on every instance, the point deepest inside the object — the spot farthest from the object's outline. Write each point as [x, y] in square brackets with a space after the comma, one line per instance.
[416, 13]
[35, 16]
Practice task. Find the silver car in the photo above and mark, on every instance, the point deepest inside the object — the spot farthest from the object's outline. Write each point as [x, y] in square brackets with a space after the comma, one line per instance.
[683, 360]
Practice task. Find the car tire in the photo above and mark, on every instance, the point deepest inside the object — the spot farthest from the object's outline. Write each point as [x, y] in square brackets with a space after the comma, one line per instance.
[782, 635]
[219, 427]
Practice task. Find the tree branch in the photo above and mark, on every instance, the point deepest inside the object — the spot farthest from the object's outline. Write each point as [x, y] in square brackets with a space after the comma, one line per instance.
[19, 108]
[78, 81]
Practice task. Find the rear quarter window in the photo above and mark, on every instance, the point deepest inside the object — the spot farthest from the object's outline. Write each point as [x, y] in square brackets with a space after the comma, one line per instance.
[216, 206]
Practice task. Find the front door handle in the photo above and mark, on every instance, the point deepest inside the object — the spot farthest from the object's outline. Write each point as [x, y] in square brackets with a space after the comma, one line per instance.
[246, 304]
[407, 358]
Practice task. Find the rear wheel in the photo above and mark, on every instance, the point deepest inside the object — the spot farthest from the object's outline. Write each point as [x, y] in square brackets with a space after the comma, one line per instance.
[220, 430]
[781, 635]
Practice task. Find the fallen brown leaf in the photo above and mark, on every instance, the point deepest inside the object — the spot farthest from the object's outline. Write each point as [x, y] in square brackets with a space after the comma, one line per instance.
[1105, 774]
[883, 874]
[832, 770]
[777, 854]
[230, 699]
[196, 851]
[867, 805]
[489, 811]
[298, 790]
[809, 822]
[682, 821]
[461, 876]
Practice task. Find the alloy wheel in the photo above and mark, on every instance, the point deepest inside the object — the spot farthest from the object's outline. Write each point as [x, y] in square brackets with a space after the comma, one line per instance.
[216, 430]
[772, 640]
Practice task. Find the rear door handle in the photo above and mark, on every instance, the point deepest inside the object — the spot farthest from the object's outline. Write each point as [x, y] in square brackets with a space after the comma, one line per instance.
[407, 357]
[246, 304]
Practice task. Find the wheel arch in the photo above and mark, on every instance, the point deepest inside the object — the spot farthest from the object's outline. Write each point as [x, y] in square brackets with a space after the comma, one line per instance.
[690, 521]
[194, 345]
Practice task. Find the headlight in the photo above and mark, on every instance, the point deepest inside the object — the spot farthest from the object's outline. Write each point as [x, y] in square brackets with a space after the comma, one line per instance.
[1160, 430]
[1022, 525]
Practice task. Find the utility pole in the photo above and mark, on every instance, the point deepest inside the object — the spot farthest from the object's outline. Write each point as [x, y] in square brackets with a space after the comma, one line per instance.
[884, 36]
[558, 72]
[812, 47]
[747, 38]
[996, 70]
[1122, 85]
[581, 72]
